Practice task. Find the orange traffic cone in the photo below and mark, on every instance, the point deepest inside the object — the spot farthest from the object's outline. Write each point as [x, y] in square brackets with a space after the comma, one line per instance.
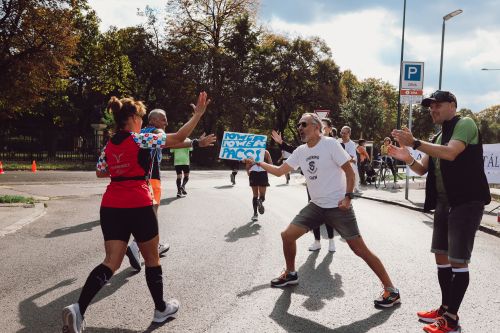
[1, 168]
[33, 166]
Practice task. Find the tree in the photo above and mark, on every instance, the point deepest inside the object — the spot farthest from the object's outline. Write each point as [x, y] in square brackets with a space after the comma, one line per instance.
[37, 42]
[489, 124]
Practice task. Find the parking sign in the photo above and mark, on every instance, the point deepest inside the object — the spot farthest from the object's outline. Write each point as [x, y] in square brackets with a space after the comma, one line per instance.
[413, 75]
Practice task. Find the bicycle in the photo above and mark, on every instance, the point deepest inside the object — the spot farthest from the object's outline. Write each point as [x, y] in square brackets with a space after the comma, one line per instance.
[383, 173]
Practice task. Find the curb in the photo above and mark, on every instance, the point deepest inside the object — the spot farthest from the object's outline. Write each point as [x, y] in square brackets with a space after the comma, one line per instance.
[39, 212]
[483, 228]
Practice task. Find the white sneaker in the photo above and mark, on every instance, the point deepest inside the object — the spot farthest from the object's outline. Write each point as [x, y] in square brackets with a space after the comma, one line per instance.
[331, 245]
[170, 311]
[134, 256]
[72, 319]
[162, 248]
[315, 246]
[255, 217]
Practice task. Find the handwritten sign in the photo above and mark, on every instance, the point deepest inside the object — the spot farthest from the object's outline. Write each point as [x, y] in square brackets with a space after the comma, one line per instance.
[238, 146]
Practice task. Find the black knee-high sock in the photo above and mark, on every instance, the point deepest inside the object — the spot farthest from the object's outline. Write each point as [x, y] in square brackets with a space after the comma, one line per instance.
[458, 288]
[185, 180]
[329, 231]
[154, 279]
[254, 204]
[178, 182]
[95, 281]
[445, 276]
[317, 234]
[262, 198]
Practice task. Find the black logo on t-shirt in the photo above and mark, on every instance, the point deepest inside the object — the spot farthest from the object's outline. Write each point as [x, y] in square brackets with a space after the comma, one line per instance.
[312, 168]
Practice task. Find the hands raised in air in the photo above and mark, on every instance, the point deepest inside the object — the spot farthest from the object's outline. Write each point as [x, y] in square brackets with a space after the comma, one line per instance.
[201, 104]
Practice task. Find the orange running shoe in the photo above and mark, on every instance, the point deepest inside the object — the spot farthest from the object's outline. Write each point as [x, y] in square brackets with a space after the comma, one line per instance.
[443, 324]
[431, 316]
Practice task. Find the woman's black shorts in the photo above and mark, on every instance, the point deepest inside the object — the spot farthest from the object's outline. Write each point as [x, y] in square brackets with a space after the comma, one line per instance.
[179, 169]
[258, 178]
[120, 223]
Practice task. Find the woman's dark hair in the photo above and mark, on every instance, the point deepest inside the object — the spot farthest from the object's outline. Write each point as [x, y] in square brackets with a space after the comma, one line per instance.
[334, 132]
[361, 141]
[125, 108]
[328, 121]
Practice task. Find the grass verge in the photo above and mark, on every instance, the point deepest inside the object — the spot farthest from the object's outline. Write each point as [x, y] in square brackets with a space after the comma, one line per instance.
[16, 199]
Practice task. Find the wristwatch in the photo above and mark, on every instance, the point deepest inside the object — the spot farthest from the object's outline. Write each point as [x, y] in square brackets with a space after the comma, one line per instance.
[416, 144]
[350, 195]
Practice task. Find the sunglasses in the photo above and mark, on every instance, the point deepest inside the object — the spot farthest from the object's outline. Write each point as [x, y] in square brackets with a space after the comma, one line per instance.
[302, 124]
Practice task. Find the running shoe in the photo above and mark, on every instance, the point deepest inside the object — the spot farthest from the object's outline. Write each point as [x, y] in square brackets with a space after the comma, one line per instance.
[170, 311]
[388, 298]
[315, 246]
[432, 315]
[331, 245]
[179, 194]
[443, 324]
[233, 179]
[183, 190]
[134, 256]
[162, 248]
[260, 207]
[72, 319]
[255, 217]
[286, 278]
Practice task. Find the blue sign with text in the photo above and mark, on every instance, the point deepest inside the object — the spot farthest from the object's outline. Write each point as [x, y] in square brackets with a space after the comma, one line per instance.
[238, 146]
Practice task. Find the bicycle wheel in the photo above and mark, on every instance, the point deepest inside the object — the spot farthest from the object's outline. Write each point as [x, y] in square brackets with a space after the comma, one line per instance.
[385, 173]
[379, 177]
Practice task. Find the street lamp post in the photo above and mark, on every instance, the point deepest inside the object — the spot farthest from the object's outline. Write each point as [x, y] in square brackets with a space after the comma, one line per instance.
[445, 18]
[398, 119]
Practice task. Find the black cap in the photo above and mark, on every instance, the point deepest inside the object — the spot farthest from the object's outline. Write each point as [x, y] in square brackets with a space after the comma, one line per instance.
[439, 96]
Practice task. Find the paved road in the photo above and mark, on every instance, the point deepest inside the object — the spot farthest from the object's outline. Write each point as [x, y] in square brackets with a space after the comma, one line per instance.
[220, 266]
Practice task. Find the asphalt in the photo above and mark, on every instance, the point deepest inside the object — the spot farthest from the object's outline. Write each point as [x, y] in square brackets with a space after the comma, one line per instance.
[45, 186]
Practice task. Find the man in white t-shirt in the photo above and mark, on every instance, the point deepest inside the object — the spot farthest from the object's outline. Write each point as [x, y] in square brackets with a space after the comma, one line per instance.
[330, 180]
[350, 148]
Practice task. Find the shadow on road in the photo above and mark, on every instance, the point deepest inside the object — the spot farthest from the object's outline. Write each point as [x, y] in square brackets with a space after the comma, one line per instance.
[166, 201]
[248, 230]
[84, 227]
[316, 283]
[223, 187]
[319, 285]
[293, 323]
[47, 318]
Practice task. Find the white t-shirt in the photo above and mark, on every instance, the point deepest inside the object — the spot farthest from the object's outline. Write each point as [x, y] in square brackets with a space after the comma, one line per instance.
[350, 148]
[321, 166]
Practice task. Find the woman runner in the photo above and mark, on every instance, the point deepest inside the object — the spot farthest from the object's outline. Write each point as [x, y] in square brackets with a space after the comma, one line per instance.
[127, 206]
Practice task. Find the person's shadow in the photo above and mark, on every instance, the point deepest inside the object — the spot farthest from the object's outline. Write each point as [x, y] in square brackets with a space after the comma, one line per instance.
[293, 323]
[84, 227]
[223, 187]
[319, 284]
[248, 230]
[47, 318]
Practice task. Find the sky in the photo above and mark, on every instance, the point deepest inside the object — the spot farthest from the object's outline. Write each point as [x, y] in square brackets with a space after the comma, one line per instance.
[365, 37]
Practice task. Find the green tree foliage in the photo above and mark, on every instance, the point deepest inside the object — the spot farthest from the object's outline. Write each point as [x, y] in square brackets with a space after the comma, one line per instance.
[489, 124]
[37, 42]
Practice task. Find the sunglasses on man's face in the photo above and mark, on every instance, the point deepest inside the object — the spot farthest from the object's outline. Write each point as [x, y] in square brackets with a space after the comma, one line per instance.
[302, 124]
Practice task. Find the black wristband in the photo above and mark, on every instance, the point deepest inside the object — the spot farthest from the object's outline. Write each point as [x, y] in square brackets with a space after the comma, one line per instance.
[416, 144]
[195, 143]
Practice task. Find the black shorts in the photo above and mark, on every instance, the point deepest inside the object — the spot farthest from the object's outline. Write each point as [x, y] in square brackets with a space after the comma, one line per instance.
[120, 223]
[179, 169]
[258, 178]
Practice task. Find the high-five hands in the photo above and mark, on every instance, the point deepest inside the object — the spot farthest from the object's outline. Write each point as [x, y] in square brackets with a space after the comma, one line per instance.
[201, 104]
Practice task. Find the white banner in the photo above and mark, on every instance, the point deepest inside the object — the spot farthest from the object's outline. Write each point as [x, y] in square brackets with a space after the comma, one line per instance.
[491, 158]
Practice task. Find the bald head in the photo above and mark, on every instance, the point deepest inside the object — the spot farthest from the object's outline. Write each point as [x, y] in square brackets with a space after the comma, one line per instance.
[158, 118]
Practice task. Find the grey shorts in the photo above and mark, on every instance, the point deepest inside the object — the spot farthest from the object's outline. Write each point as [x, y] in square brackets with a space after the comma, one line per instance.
[344, 221]
[455, 229]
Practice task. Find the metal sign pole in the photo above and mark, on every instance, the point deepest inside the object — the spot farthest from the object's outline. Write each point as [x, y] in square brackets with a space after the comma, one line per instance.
[407, 167]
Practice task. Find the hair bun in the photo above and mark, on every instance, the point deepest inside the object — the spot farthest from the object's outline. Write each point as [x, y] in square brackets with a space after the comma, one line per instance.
[114, 104]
